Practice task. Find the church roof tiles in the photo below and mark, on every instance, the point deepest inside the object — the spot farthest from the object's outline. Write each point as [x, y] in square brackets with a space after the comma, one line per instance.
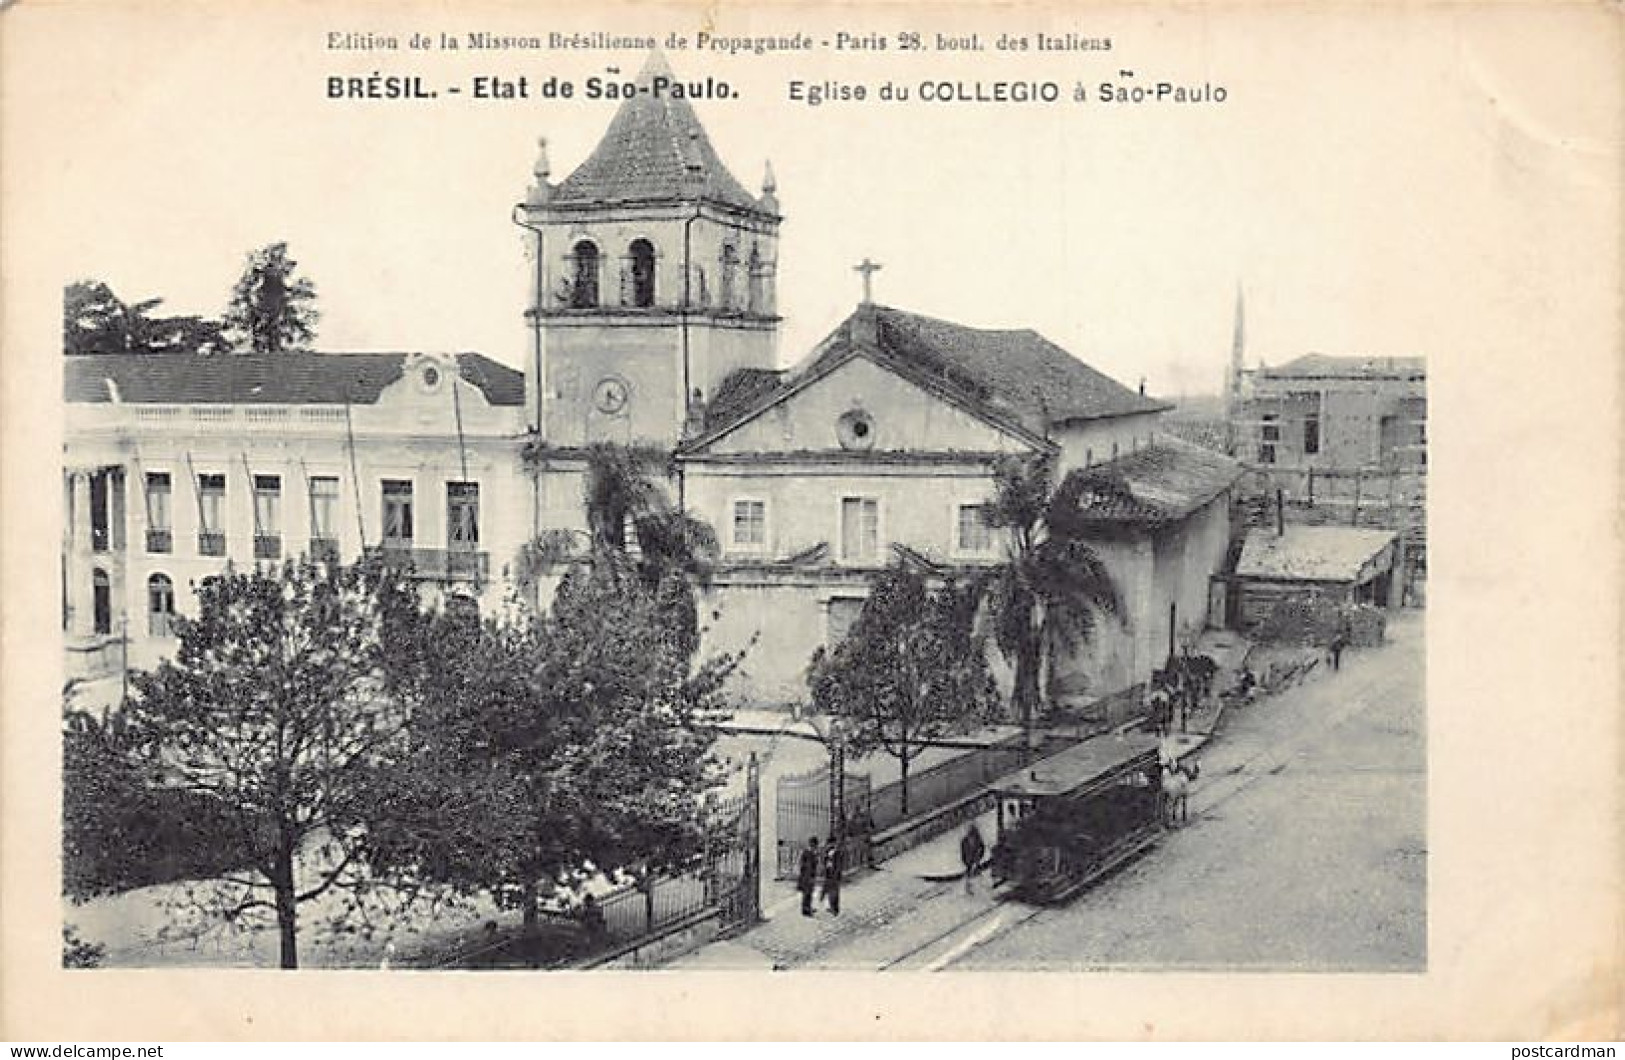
[1014, 377]
[1019, 369]
[655, 150]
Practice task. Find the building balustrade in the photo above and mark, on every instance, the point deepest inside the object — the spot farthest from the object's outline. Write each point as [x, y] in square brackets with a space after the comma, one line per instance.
[267, 546]
[211, 543]
[160, 541]
[436, 564]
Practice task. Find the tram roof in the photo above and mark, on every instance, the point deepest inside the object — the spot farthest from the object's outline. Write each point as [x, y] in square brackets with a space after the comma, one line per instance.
[1077, 767]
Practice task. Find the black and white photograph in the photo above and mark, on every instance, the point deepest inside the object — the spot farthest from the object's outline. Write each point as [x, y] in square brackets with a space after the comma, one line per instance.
[725, 496]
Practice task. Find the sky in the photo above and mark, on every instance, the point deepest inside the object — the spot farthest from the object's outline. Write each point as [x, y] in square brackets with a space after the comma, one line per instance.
[1354, 184]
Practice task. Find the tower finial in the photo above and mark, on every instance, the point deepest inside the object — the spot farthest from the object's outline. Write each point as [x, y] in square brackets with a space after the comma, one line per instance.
[540, 190]
[542, 167]
[769, 201]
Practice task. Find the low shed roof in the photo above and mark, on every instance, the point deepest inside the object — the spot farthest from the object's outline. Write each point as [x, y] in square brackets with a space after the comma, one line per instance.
[1311, 553]
[1160, 484]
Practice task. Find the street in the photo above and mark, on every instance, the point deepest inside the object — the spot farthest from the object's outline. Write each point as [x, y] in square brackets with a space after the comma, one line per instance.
[1306, 850]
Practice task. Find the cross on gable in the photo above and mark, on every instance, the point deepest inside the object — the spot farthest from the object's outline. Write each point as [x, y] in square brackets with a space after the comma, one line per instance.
[868, 268]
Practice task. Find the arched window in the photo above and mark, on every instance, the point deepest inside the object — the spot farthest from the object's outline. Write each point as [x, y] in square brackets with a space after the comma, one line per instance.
[101, 600]
[584, 290]
[160, 606]
[643, 273]
[730, 263]
[753, 282]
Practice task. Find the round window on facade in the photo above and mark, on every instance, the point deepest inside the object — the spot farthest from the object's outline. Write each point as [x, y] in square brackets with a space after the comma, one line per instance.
[856, 430]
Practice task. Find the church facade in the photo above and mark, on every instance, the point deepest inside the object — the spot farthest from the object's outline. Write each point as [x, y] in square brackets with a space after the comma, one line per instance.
[653, 322]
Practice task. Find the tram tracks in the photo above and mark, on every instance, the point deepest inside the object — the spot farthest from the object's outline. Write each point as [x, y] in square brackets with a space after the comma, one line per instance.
[948, 947]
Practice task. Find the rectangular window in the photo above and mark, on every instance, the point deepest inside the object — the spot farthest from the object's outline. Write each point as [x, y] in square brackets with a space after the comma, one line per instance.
[463, 514]
[1271, 429]
[267, 516]
[1311, 435]
[398, 512]
[860, 529]
[750, 524]
[971, 532]
[160, 519]
[843, 615]
[324, 518]
[100, 519]
[1266, 453]
[211, 535]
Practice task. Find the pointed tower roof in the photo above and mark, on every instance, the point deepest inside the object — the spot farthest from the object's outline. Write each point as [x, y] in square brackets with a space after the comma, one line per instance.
[654, 151]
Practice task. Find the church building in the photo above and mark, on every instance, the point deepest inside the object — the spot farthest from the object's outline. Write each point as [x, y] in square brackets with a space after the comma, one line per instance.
[653, 320]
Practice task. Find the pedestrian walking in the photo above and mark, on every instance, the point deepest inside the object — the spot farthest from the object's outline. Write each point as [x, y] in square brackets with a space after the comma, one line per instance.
[834, 865]
[1339, 642]
[807, 875]
[971, 849]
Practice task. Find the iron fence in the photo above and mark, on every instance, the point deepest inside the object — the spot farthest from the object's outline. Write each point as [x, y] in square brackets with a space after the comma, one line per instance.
[942, 784]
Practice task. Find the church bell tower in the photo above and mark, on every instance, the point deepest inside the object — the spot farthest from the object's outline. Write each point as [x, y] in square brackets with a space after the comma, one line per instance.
[653, 276]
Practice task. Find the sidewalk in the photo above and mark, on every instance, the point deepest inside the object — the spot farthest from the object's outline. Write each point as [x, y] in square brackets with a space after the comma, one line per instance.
[888, 914]
[885, 912]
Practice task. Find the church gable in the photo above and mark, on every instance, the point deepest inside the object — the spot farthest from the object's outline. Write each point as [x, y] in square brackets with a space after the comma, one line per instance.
[862, 406]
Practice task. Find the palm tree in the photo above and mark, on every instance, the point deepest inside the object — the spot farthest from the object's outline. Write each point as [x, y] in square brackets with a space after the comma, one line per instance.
[1051, 588]
[674, 552]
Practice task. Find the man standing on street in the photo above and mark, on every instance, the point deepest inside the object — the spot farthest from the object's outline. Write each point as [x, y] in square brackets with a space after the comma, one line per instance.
[834, 864]
[1340, 640]
[971, 849]
[807, 875]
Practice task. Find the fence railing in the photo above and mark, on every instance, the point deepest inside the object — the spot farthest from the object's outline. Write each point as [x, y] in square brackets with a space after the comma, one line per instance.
[723, 884]
[944, 783]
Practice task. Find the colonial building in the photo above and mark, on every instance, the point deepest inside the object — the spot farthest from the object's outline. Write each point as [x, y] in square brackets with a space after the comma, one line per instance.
[880, 448]
[176, 465]
[654, 322]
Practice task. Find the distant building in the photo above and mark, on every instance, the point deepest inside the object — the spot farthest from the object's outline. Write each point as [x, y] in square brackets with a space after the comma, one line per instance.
[1335, 413]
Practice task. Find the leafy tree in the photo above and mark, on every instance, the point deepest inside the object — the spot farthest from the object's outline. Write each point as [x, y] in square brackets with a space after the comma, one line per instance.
[280, 709]
[185, 334]
[271, 309]
[95, 320]
[909, 670]
[1051, 587]
[118, 831]
[553, 748]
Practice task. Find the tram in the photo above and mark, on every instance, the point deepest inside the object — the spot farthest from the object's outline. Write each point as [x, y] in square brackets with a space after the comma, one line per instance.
[1069, 819]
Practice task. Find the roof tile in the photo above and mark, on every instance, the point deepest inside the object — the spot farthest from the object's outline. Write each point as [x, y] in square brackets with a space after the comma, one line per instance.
[654, 150]
[264, 379]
